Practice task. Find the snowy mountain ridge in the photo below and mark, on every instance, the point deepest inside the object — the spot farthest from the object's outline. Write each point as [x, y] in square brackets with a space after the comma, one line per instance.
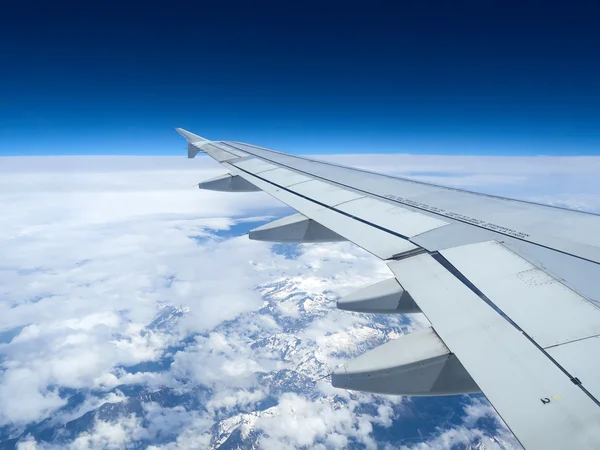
[235, 383]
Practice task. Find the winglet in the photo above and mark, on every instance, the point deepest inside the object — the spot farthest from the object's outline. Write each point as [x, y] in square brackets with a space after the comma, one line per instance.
[194, 141]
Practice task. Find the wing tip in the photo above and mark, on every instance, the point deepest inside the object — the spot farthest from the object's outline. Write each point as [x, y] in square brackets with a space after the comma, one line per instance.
[193, 141]
[191, 137]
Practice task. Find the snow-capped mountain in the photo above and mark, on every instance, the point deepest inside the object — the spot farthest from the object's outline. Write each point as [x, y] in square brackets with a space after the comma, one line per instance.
[247, 380]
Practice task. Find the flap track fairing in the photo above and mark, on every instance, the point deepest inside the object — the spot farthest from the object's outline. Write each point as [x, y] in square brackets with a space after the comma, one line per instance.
[297, 229]
[228, 183]
[386, 297]
[417, 364]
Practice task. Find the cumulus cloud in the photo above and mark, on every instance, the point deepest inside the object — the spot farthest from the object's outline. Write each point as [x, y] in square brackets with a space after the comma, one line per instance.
[87, 260]
[125, 293]
[325, 423]
[301, 423]
[110, 435]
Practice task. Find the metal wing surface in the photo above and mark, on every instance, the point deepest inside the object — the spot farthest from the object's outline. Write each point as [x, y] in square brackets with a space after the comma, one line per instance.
[511, 288]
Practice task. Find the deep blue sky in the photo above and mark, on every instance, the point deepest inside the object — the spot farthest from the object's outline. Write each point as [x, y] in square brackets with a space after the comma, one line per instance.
[474, 77]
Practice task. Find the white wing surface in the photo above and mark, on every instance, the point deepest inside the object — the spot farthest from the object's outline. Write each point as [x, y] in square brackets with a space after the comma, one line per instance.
[511, 288]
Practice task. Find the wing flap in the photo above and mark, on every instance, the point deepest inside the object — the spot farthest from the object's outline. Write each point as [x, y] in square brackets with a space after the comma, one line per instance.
[255, 165]
[398, 220]
[547, 310]
[381, 243]
[552, 411]
[328, 193]
[285, 177]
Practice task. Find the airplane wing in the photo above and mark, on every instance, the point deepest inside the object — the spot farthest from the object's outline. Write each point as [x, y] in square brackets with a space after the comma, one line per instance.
[511, 288]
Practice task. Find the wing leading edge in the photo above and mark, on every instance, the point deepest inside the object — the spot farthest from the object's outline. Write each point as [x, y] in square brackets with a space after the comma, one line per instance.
[492, 275]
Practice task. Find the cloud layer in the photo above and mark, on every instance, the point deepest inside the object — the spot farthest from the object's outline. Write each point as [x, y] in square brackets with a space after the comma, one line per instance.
[130, 307]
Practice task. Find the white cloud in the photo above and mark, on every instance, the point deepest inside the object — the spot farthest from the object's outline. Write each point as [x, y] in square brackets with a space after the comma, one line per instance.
[110, 435]
[86, 260]
[230, 399]
[300, 422]
[29, 443]
[222, 363]
[24, 398]
[94, 249]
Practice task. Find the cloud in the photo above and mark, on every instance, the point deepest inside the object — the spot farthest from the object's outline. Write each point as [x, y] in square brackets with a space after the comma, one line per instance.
[121, 285]
[300, 422]
[110, 435]
[231, 400]
[222, 362]
[88, 260]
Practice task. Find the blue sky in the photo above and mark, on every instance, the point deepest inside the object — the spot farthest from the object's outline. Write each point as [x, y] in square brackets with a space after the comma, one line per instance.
[422, 77]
